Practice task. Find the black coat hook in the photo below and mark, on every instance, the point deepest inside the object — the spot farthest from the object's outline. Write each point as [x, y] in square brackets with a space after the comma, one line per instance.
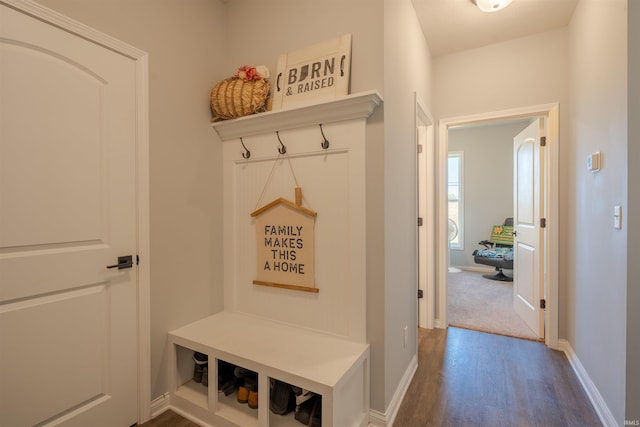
[282, 149]
[325, 143]
[246, 154]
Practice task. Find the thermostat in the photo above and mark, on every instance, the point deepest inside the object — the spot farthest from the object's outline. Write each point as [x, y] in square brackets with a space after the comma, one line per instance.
[593, 162]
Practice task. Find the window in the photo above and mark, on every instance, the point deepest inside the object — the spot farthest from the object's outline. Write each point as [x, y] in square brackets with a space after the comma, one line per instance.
[455, 196]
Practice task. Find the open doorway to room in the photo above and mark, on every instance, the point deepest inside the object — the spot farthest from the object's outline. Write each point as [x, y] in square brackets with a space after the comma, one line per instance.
[480, 211]
[546, 271]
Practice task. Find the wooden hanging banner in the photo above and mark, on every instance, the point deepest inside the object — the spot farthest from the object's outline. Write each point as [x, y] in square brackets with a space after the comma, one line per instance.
[285, 245]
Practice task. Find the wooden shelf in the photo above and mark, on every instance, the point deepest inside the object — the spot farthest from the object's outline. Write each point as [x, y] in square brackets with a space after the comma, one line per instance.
[359, 105]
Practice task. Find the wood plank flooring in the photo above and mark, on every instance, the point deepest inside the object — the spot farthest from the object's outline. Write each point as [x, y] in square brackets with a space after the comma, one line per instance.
[470, 378]
[169, 419]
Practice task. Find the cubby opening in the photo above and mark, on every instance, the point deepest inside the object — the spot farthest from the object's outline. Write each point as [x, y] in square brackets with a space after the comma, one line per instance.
[238, 393]
[293, 406]
[187, 385]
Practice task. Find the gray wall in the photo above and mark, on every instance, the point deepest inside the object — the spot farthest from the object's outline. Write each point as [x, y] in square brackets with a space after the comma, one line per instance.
[407, 69]
[488, 182]
[596, 263]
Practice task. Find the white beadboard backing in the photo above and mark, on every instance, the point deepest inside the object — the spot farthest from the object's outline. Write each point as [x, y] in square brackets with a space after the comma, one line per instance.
[333, 185]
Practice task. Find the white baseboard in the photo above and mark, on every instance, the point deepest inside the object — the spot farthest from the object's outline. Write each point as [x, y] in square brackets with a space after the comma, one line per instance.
[159, 405]
[386, 419]
[603, 411]
[474, 269]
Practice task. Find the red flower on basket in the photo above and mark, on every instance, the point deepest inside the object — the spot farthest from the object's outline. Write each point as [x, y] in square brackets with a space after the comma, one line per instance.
[248, 73]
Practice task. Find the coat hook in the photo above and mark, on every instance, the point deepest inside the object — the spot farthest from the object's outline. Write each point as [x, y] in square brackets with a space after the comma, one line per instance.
[325, 143]
[282, 149]
[246, 154]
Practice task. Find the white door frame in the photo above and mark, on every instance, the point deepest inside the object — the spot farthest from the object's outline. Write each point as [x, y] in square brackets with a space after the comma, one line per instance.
[142, 180]
[551, 112]
[426, 198]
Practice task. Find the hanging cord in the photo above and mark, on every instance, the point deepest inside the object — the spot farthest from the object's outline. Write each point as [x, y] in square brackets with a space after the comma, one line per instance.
[269, 178]
[266, 184]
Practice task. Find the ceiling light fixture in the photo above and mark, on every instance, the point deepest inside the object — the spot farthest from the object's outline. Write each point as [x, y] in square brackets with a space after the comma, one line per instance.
[491, 5]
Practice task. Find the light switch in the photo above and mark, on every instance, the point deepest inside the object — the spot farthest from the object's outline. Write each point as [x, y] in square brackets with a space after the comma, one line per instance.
[617, 217]
[593, 162]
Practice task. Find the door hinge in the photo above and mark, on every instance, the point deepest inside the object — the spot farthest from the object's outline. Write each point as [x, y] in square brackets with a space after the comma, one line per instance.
[420, 294]
[420, 221]
[543, 141]
[543, 222]
[137, 259]
[543, 304]
[419, 148]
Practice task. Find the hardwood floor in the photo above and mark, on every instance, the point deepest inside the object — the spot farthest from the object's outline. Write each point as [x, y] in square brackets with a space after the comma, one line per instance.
[169, 419]
[470, 378]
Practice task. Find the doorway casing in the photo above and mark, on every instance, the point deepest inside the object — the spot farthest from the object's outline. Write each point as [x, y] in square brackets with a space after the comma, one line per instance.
[425, 159]
[550, 153]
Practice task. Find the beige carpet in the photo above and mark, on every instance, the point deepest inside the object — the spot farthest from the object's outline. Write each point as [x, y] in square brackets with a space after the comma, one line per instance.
[483, 304]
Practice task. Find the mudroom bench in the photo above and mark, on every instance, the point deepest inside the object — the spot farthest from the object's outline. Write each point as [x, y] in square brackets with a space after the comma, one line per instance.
[334, 368]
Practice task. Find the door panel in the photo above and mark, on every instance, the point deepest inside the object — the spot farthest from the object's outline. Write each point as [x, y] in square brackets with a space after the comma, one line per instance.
[42, 188]
[51, 353]
[527, 275]
[67, 210]
[526, 292]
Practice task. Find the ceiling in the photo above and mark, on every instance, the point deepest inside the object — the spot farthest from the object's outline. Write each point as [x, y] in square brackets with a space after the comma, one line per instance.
[455, 25]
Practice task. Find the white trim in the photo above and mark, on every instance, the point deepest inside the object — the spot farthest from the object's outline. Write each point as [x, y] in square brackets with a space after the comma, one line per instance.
[475, 269]
[355, 106]
[461, 184]
[142, 179]
[160, 405]
[144, 239]
[425, 195]
[379, 419]
[603, 411]
[552, 152]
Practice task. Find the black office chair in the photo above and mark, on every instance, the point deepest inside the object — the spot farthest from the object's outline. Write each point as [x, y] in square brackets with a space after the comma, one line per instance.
[498, 251]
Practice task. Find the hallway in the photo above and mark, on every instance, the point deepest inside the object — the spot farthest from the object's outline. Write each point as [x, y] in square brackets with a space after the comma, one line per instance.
[473, 378]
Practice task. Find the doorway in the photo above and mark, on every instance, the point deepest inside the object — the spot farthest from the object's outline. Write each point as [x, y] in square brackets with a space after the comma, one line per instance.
[480, 197]
[550, 248]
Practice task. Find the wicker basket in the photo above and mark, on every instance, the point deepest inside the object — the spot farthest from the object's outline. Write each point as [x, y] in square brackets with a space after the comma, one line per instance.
[232, 98]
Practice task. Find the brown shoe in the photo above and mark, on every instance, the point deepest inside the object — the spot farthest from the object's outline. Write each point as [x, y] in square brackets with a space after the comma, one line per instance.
[243, 394]
[253, 399]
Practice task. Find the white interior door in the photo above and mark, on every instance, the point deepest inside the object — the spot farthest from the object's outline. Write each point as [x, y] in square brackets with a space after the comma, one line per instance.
[528, 264]
[68, 324]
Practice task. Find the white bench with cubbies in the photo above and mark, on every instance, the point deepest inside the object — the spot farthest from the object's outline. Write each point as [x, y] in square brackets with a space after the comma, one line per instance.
[334, 368]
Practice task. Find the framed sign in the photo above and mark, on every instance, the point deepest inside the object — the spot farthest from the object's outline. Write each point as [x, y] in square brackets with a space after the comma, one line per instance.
[314, 73]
